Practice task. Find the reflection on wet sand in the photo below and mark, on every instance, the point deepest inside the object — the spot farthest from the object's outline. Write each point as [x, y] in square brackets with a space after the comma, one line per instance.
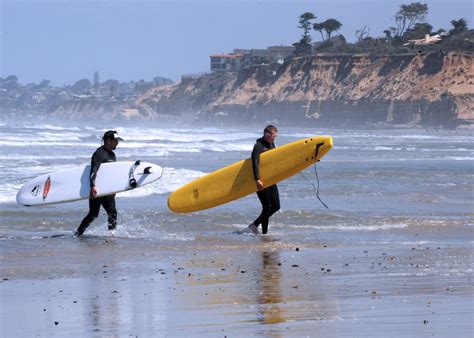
[269, 297]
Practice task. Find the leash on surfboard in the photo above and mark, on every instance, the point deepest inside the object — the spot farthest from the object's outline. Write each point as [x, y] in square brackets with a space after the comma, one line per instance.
[317, 177]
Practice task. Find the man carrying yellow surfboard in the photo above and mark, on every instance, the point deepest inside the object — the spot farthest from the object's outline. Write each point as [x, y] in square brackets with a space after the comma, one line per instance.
[269, 197]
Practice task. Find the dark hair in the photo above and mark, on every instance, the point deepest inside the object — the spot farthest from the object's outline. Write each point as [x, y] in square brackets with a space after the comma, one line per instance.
[270, 129]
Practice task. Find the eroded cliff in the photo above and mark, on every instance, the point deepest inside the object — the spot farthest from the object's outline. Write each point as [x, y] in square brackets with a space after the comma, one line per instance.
[420, 89]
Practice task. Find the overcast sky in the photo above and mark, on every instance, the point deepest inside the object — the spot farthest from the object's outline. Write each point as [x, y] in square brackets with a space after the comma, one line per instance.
[64, 41]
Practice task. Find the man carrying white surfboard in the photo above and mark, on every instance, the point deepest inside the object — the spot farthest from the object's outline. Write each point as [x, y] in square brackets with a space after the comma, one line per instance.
[103, 154]
[269, 197]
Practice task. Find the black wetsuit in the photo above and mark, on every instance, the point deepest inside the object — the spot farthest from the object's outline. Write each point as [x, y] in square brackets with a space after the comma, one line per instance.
[269, 197]
[101, 155]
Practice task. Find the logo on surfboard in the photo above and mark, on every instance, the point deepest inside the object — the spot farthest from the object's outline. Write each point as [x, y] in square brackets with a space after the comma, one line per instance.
[35, 190]
[46, 188]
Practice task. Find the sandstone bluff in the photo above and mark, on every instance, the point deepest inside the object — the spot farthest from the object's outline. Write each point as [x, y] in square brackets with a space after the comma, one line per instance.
[422, 89]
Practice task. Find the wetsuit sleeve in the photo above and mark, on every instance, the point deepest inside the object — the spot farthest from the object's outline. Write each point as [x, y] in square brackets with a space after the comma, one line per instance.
[257, 150]
[96, 161]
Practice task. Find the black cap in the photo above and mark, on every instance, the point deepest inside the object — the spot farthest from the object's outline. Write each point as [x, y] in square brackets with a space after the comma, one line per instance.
[110, 135]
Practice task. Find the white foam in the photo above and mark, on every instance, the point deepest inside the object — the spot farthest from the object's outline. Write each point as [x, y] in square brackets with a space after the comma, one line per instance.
[8, 192]
[459, 158]
[349, 227]
[38, 158]
[28, 144]
[50, 127]
[171, 180]
[184, 135]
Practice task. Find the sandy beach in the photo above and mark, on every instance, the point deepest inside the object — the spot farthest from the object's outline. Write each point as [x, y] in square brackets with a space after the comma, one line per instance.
[106, 286]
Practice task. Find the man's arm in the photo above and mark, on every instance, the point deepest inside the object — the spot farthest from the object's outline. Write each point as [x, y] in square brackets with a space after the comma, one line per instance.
[96, 161]
[257, 150]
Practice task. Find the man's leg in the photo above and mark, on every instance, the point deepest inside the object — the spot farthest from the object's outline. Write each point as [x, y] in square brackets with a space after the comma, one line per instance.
[275, 198]
[94, 207]
[108, 202]
[265, 199]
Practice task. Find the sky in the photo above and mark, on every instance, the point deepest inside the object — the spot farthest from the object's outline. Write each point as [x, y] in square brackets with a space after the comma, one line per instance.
[65, 41]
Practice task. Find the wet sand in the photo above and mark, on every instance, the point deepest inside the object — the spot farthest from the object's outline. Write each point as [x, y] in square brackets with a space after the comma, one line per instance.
[105, 286]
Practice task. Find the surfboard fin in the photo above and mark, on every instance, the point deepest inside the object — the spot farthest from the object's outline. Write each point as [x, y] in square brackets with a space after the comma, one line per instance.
[132, 183]
[147, 170]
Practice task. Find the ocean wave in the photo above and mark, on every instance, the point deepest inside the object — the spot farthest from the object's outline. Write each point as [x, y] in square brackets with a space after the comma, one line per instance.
[38, 158]
[51, 127]
[185, 135]
[149, 148]
[28, 144]
[8, 192]
[459, 158]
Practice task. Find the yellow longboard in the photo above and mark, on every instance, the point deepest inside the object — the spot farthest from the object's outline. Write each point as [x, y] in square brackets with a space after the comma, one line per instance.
[237, 180]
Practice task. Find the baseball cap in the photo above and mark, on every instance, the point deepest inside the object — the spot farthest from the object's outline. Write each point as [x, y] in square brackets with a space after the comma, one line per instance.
[110, 135]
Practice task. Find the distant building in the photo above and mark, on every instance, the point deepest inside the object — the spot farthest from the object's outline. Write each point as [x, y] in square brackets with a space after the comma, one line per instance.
[244, 58]
[226, 62]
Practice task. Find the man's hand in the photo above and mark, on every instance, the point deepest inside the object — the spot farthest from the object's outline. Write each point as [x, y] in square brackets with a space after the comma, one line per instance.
[93, 192]
[259, 185]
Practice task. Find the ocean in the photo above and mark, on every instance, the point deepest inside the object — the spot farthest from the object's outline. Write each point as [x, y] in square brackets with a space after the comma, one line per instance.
[375, 182]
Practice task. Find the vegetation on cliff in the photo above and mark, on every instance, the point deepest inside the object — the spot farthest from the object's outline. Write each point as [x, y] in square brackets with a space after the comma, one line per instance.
[410, 25]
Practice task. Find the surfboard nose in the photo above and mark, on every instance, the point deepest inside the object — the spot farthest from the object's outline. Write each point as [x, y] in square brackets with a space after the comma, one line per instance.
[323, 145]
[330, 144]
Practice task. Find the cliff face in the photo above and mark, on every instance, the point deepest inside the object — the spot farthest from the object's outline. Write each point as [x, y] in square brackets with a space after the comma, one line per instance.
[423, 89]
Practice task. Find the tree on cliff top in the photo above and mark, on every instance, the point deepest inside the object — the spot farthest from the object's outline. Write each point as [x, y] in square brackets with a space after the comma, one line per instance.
[319, 26]
[303, 47]
[408, 15]
[331, 25]
[459, 26]
[305, 24]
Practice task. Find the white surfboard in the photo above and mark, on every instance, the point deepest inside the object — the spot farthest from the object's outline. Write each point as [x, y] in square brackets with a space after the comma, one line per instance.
[69, 185]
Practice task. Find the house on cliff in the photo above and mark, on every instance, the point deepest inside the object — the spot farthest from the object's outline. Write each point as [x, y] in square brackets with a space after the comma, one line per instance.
[244, 58]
